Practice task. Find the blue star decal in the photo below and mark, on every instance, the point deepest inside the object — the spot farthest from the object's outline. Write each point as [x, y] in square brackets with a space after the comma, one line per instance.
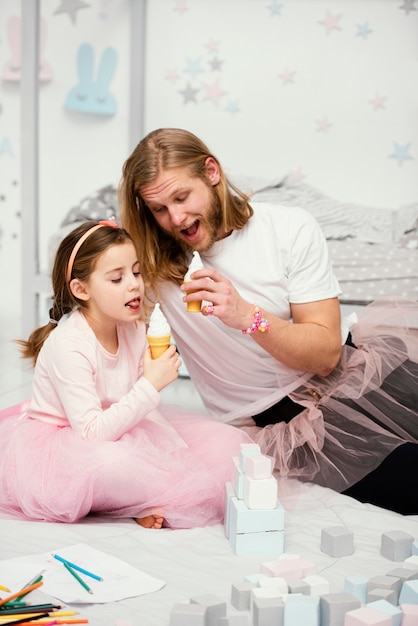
[275, 8]
[233, 106]
[363, 30]
[401, 153]
[193, 67]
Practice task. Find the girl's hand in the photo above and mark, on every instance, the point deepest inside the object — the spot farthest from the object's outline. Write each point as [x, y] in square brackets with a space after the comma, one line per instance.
[163, 371]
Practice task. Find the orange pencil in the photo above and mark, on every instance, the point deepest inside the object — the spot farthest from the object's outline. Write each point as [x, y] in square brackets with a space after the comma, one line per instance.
[57, 621]
[22, 592]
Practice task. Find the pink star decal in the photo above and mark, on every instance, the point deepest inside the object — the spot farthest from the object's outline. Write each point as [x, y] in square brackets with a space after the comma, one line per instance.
[378, 102]
[181, 6]
[323, 125]
[298, 173]
[213, 92]
[213, 46]
[172, 75]
[331, 22]
[287, 76]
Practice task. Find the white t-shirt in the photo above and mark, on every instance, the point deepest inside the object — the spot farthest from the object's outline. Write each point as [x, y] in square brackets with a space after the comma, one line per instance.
[279, 257]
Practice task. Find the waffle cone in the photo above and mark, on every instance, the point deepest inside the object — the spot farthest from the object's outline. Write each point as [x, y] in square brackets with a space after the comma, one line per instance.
[196, 306]
[158, 345]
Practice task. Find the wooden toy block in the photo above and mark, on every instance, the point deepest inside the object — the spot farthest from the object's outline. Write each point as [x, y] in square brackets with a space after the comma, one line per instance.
[396, 545]
[366, 616]
[337, 541]
[215, 607]
[234, 620]
[188, 615]
[247, 449]
[357, 586]
[229, 493]
[386, 582]
[334, 606]
[378, 593]
[319, 586]
[409, 614]
[237, 478]
[298, 585]
[263, 543]
[300, 610]
[258, 466]
[274, 581]
[245, 520]
[268, 612]
[409, 592]
[261, 493]
[241, 595]
[387, 608]
[404, 573]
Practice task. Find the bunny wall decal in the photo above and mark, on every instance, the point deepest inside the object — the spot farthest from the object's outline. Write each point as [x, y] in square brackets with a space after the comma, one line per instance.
[92, 95]
[12, 68]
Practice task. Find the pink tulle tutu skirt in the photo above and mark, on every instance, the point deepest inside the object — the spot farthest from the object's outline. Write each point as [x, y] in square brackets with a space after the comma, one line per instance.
[360, 413]
[49, 473]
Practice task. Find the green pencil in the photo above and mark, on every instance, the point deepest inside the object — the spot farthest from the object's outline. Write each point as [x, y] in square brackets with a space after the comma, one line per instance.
[77, 577]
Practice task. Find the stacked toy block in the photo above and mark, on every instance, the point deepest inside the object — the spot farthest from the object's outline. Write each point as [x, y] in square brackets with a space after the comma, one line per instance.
[254, 516]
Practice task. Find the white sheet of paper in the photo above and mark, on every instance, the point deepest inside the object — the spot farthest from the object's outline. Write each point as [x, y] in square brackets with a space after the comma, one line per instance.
[120, 580]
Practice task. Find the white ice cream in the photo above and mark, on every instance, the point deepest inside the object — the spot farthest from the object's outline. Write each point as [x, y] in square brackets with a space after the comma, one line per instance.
[195, 264]
[158, 325]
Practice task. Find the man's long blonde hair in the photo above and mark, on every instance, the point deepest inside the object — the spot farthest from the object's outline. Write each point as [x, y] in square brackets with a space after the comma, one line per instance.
[161, 257]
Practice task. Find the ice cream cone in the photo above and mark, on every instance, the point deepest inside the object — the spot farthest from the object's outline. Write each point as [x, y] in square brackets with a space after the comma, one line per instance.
[158, 345]
[196, 305]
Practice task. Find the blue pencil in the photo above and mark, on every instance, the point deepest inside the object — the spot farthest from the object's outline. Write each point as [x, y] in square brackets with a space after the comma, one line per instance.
[76, 567]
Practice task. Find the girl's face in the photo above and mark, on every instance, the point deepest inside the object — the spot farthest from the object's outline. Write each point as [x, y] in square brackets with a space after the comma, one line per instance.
[115, 288]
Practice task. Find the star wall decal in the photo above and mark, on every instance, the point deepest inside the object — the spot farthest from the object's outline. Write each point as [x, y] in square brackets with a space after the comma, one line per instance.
[275, 8]
[216, 64]
[214, 92]
[401, 153]
[232, 107]
[71, 7]
[189, 94]
[172, 75]
[363, 30]
[287, 77]
[181, 7]
[213, 46]
[331, 22]
[408, 6]
[323, 125]
[193, 67]
[378, 102]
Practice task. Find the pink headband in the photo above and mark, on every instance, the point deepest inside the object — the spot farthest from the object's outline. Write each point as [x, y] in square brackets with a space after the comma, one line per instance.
[82, 240]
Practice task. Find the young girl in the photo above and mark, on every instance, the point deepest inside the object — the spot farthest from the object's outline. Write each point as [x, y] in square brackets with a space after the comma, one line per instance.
[94, 437]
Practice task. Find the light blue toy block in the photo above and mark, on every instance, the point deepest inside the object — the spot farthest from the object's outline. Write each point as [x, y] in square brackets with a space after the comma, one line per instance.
[241, 595]
[388, 608]
[357, 586]
[234, 620]
[255, 578]
[337, 541]
[392, 583]
[188, 615]
[215, 607]
[262, 543]
[415, 548]
[247, 449]
[229, 493]
[300, 610]
[396, 545]
[268, 612]
[245, 520]
[334, 606]
[409, 592]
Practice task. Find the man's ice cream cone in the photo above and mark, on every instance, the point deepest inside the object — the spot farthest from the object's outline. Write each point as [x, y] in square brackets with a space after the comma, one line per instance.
[196, 264]
[158, 345]
[196, 305]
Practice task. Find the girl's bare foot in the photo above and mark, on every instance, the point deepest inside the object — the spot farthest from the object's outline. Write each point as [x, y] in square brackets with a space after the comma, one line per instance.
[150, 521]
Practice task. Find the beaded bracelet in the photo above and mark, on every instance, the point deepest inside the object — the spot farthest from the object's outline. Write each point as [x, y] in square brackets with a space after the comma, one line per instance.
[259, 323]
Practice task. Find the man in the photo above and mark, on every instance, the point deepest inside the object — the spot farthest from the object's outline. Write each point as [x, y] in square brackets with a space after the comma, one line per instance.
[266, 353]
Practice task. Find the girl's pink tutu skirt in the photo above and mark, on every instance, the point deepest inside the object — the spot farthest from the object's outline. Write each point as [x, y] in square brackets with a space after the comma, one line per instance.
[49, 473]
[363, 411]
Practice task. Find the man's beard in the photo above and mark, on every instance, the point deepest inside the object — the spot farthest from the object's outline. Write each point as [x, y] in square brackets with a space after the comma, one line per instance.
[212, 223]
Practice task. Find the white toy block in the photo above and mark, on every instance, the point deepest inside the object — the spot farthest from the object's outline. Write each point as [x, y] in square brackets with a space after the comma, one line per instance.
[267, 592]
[337, 541]
[215, 607]
[255, 578]
[298, 585]
[288, 556]
[276, 582]
[229, 493]
[241, 595]
[378, 593]
[245, 520]
[318, 585]
[411, 561]
[391, 583]
[404, 573]
[301, 610]
[357, 586]
[415, 548]
[333, 607]
[366, 616]
[261, 493]
[247, 449]
[396, 545]
[387, 608]
[188, 615]
[262, 544]
[237, 478]
[234, 620]
[268, 612]
[409, 592]
[258, 466]
[409, 614]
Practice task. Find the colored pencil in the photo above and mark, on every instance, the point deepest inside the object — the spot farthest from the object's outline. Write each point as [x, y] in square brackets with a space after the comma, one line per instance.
[3, 588]
[32, 581]
[77, 577]
[77, 567]
[26, 619]
[21, 593]
[61, 620]
[13, 604]
[31, 608]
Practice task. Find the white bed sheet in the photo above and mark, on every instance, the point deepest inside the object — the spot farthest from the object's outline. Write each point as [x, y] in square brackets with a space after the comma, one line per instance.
[200, 561]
